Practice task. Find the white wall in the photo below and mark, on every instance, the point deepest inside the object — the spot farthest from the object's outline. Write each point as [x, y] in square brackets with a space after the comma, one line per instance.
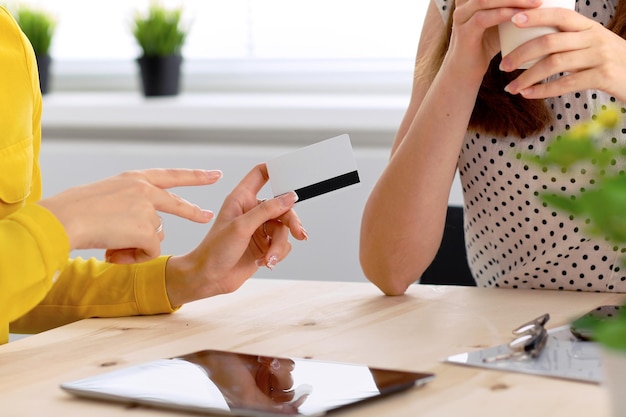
[332, 221]
[90, 136]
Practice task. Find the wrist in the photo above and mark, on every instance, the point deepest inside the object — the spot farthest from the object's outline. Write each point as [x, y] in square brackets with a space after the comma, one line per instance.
[467, 76]
[71, 232]
[184, 282]
[177, 273]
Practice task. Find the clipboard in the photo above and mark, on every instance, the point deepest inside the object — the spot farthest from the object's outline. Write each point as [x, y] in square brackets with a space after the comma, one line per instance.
[564, 356]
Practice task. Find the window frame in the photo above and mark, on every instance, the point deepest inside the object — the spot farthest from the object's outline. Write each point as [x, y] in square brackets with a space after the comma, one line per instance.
[356, 76]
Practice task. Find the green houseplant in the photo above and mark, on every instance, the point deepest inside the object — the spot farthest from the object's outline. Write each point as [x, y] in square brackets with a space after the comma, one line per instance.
[39, 27]
[600, 205]
[161, 34]
[602, 208]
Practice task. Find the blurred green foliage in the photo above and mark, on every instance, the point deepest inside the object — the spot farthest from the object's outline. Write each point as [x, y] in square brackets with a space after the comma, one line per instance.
[601, 206]
[38, 25]
[160, 31]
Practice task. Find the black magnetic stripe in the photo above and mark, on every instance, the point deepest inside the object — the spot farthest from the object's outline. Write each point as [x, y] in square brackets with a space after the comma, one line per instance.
[327, 186]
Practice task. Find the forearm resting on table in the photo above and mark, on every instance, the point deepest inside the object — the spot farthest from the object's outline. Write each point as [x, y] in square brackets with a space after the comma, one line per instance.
[404, 216]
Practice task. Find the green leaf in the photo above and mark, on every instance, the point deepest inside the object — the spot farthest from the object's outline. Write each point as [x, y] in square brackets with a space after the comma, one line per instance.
[563, 203]
[565, 151]
[160, 31]
[612, 333]
[39, 27]
[606, 207]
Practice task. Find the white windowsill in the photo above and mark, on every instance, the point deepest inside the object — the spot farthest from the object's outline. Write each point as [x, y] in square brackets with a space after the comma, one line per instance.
[372, 117]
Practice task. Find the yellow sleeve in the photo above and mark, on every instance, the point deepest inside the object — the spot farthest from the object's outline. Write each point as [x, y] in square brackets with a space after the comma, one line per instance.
[93, 288]
[30, 246]
[34, 250]
[39, 287]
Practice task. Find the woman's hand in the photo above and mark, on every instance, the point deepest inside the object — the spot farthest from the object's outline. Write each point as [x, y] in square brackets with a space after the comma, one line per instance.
[474, 40]
[120, 213]
[247, 234]
[594, 57]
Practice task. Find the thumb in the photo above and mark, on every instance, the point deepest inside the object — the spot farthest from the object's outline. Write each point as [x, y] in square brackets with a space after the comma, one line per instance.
[274, 208]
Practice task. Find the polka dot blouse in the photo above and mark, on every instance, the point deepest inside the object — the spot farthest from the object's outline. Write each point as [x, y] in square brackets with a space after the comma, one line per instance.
[512, 240]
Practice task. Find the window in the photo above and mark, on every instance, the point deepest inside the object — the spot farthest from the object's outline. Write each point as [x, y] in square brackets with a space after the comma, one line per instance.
[251, 38]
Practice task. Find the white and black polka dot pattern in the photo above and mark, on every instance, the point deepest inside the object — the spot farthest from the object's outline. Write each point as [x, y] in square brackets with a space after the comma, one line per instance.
[512, 240]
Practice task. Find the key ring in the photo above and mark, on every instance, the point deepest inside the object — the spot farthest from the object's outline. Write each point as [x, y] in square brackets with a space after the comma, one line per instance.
[531, 338]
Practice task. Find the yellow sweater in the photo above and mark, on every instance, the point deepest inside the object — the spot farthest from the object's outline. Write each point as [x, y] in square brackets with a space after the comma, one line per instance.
[40, 287]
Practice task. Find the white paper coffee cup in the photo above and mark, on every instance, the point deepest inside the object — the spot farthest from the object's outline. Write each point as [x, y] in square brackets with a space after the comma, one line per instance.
[511, 36]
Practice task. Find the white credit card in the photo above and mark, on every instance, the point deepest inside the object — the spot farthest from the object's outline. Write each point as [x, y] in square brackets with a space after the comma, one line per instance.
[314, 170]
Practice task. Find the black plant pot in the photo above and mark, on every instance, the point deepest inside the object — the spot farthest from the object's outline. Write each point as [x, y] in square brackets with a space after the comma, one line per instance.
[160, 75]
[43, 67]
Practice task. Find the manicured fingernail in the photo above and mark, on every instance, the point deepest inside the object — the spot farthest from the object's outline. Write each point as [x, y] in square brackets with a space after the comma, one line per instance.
[304, 232]
[505, 64]
[288, 198]
[526, 91]
[214, 174]
[519, 18]
[271, 262]
[207, 214]
[511, 88]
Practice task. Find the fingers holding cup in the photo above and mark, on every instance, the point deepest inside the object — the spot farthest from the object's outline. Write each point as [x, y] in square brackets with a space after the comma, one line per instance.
[512, 36]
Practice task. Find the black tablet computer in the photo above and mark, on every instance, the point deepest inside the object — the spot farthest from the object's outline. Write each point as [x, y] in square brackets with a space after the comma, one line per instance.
[236, 384]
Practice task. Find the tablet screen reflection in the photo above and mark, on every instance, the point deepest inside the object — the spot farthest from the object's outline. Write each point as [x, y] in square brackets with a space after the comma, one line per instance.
[231, 383]
[283, 385]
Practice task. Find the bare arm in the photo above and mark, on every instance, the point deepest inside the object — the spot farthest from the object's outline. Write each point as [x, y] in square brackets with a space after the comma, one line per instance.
[404, 216]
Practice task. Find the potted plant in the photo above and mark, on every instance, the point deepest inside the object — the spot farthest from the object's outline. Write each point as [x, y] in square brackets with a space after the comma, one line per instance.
[603, 206]
[161, 35]
[39, 26]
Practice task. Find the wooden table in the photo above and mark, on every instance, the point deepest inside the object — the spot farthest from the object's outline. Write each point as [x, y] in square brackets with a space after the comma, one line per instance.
[339, 321]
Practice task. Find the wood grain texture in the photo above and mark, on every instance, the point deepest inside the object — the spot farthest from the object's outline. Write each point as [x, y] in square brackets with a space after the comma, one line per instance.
[338, 321]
